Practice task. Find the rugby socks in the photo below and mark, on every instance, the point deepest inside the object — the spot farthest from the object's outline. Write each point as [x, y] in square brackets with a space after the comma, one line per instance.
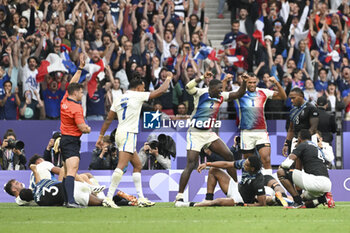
[179, 197]
[297, 199]
[116, 178]
[209, 196]
[69, 185]
[64, 190]
[136, 177]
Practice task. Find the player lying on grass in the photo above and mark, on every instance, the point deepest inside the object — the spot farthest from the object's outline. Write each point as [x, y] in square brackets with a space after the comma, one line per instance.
[313, 180]
[250, 189]
[47, 170]
[49, 192]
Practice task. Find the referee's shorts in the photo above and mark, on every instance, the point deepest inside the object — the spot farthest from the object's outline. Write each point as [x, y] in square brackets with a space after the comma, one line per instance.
[70, 146]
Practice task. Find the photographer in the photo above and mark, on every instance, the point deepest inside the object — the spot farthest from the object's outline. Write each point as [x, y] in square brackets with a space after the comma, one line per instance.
[52, 152]
[105, 158]
[156, 152]
[11, 153]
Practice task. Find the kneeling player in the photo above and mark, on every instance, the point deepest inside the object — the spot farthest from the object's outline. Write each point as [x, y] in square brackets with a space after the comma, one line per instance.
[314, 180]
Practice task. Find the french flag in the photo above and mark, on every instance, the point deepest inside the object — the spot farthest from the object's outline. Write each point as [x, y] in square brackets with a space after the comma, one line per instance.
[332, 56]
[67, 62]
[92, 72]
[206, 52]
[236, 60]
[53, 63]
[259, 31]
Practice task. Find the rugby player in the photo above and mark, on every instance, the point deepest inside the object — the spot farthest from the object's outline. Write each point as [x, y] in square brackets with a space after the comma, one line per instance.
[314, 180]
[250, 188]
[200, 135]
[251, 119]
[127, 109]
[303, 115]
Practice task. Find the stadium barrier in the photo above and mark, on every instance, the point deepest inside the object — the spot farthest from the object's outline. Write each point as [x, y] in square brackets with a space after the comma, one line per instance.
[36, 135]
[162, 185]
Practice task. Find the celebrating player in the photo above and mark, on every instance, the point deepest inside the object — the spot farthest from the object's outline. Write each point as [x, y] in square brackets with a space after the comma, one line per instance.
[127, 108]
[72, 127]
[207, 102]
[252, 121]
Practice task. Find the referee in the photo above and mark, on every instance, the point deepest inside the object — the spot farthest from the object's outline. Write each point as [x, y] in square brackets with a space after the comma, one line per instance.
[72, 127]
[303, 115]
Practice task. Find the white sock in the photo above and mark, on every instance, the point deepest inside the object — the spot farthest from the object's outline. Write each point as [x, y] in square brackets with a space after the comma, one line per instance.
[179, 196]
[315, 201]
[101, 195]
[136, 177]
[116, 178]
[266, 171]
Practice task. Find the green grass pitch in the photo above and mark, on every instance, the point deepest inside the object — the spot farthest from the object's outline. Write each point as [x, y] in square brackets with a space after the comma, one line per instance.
[164, 217]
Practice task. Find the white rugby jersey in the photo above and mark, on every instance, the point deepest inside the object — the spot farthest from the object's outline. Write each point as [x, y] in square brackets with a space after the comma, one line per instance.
[128, 108]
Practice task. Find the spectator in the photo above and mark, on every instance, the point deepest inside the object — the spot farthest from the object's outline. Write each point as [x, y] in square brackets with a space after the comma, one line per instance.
[310, 93]
[11, 153]
[9, 102]
[31, 109]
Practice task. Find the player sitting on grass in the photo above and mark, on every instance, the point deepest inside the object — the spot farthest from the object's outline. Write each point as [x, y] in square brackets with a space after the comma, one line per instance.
[251, 188]
[314, 179]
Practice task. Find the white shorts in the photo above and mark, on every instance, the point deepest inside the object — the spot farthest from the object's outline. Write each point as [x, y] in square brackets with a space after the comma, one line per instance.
[81, 193]
[233, 192]
[314, 186]
[251, 138]
[198, 139]
[126, 141]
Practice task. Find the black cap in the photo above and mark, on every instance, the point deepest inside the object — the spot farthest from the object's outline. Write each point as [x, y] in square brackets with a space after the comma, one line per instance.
[322, 101]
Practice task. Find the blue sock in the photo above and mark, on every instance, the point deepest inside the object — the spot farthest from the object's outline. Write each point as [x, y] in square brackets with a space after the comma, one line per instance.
[69, 184]
[64, 190]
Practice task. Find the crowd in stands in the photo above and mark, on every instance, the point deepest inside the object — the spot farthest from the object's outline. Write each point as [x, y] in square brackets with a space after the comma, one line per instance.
[301, 43]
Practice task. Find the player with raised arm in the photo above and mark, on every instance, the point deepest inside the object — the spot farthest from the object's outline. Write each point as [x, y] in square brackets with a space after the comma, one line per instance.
[72, 127]
[303, 115]
[251, 119]
[127, 109]
[200, 134]
[314, 179]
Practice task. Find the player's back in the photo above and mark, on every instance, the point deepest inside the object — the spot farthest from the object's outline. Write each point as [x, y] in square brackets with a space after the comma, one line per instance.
[48, 193]
[128, 108]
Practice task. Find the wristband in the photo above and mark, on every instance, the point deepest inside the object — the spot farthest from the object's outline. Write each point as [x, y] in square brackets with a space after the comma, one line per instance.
[288, 142]
[81, 69]
[101, 135]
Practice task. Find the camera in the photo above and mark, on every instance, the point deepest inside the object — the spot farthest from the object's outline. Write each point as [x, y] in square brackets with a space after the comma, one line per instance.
[111, 149]
[17, 144]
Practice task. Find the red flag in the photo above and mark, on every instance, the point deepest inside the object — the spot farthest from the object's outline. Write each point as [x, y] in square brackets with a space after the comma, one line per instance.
[42, 71]
[92, 84]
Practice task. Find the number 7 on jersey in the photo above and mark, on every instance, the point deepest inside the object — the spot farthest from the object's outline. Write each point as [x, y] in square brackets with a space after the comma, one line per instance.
[124, 106]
